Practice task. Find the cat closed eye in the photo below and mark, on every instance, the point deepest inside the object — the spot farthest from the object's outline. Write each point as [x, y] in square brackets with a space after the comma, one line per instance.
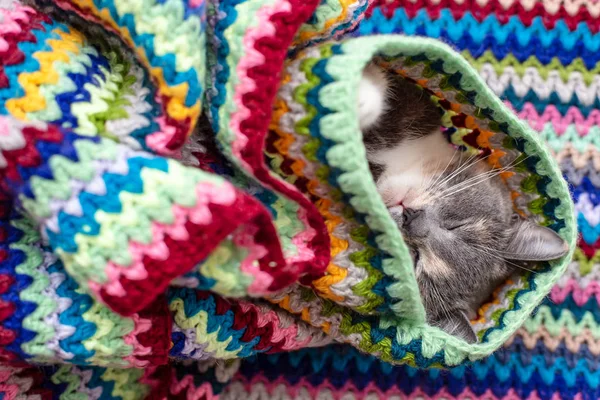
[456, 225]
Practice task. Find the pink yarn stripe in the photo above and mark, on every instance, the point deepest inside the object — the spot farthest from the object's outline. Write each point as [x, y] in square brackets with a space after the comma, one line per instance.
[10, 392]
[9, 26]
[253, 58]
[581, 295]
[19, 13]
[186, 385]
[262, 280]
[295, 391]
[159, 140]
[560, 123]
[141, 325]
[562, 337]
[287, 335]
[199, 214]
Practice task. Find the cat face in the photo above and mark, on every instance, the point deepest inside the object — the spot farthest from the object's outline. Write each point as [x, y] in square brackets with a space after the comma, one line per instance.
[466, 241]
[454, 212]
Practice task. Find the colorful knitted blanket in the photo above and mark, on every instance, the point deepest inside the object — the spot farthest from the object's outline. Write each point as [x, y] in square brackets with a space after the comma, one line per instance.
[186, 202]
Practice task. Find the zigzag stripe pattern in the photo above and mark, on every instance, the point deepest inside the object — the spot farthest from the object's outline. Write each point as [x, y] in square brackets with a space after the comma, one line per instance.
[178, 70]
[340, 371]
[512, 37]
[347, 282]
[522, 67]
[76, 332]
[82, 154]
[263, 329]
[87, 90]
[64, 325]
[12, 283]
[555, 354]
[207, 326]
[244, 145]
[78, 207]
[543, 88]
[331, 19]
[181, 381]
[570, 12]
[77, 88]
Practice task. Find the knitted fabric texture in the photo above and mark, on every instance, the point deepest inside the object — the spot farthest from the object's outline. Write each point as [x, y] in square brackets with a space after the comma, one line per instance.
[138, 261]
[523, 51]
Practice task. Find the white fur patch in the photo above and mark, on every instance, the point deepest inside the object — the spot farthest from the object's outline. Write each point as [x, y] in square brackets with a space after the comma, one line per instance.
[372, 93]
[410, 167]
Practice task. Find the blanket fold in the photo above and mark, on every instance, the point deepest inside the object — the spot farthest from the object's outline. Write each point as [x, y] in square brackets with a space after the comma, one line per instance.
[131, 248]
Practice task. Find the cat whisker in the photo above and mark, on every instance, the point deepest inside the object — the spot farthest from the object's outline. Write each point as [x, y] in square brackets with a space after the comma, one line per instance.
[476, 177]
[467, 183]
[492, 253]
[442, 303]
[503, 169]
[495, 251]
[430, 180]
[462, 165]
[443, 172]
[487, 175]
[438, 299]
[468, 163]
[476, 180]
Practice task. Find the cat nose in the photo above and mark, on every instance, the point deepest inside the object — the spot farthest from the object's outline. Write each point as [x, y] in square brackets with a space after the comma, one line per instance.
[411, 215]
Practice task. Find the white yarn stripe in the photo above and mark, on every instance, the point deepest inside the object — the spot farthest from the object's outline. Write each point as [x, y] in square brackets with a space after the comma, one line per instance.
[531, 80]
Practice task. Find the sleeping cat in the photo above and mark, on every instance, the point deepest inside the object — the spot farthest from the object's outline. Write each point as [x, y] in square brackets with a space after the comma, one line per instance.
[454, 212]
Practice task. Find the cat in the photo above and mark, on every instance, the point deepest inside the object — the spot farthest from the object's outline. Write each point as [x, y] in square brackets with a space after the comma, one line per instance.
[453, 211]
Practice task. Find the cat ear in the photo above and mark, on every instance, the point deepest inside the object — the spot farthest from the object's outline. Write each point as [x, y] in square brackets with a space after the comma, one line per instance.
[457, 324]
[531, 242]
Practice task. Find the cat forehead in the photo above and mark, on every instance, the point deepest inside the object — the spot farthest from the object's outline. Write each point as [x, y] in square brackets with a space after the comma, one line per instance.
[484, 199]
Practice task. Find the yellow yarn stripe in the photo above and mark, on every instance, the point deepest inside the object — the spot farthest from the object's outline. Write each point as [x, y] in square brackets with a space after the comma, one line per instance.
[175, 104]
[33, 100]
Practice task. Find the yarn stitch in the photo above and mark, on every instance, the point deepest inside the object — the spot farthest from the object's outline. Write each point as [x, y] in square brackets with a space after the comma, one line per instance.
[143, 258]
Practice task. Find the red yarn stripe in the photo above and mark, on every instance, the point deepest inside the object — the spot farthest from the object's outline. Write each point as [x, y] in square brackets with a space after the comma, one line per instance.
[158, 378]
[267, 77]
[248, 321]
[588, 249]
[7, 309]
[13, 55]
[158, 337]
[203, 239]
[480, 12]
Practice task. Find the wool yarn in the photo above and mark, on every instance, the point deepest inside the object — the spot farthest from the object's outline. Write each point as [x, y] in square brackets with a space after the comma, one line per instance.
[140, 261]
[554, 355]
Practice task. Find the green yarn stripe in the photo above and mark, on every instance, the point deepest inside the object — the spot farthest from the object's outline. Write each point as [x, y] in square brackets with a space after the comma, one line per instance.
[108, 343]
[33, 266]
[173, 32]
[576, 66]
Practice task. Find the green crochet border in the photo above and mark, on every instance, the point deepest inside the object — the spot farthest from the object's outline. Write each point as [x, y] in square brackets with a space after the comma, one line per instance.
[348, 155]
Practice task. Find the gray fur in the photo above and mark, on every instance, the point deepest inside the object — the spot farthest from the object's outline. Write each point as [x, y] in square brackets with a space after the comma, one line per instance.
[465, 243]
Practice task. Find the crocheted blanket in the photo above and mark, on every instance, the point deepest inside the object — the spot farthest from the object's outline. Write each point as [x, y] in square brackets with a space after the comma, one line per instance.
[541, 58]
[183, 186]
